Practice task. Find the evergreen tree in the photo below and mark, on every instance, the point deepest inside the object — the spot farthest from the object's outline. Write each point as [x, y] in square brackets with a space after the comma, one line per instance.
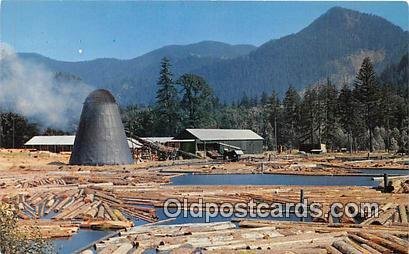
[291, 117]
[311, 120]
[349, 116]
[389, 113]
[166, 107]
[254, 101]
[197, 102]
[264, 98]
[245, 101]
[15, 130]
[275, 117]
[367, 94]
[346, 111]
[329, 96]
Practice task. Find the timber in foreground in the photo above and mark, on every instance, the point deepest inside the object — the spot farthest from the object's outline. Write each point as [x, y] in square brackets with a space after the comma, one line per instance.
[59, 199]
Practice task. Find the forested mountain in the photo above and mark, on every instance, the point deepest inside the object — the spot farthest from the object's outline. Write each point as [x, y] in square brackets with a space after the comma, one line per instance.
[134, 80]
[333, 46]
[397, 74]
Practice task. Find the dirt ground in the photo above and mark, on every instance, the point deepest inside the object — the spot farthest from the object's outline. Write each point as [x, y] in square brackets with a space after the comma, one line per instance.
[326, 164]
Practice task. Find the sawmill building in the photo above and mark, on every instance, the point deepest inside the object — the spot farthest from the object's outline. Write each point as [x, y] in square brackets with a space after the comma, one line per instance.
[204, 140]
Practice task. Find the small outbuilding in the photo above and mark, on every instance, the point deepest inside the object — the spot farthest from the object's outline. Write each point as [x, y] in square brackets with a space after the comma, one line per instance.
[54, 144]
[205, 140]
[64, 143]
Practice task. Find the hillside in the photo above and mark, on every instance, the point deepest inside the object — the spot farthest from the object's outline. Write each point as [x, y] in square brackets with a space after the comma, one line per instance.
[331, 46]
[134, 80]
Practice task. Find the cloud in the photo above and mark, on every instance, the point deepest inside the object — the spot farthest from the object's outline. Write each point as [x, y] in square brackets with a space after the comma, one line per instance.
[39, 94]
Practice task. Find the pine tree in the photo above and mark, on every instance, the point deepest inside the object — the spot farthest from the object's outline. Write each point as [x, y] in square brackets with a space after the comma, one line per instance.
[329, 95]
[274, 115]
[264, 98]
[346, 111]
[245, 101]
[308, 122]
[15, 130]
[197, 102]
[367, 94]
[166, 107]
[291, 117]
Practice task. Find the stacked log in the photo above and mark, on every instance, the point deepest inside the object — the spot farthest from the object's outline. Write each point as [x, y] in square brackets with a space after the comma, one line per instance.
[390, 214]
[39, 182]
[48, 229]
[85, 205]
[280, 237]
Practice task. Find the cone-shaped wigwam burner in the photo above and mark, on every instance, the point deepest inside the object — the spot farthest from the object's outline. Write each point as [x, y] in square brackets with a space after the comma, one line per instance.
[100, 139]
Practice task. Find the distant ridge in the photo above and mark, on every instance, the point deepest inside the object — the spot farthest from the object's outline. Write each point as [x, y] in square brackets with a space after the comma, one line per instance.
[332, 46]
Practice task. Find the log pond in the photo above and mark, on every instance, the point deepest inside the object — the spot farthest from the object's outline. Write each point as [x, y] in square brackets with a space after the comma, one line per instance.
[85, 237]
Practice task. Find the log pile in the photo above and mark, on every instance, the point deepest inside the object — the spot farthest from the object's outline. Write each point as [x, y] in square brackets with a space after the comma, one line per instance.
[43, 181]
[267, 236]
[93, 208]
[48, 229]
[399, 184]
[390, 214]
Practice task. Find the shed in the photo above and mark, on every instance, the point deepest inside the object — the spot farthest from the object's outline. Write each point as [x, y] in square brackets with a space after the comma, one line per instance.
[64, 143]
[219, 139]
[51, 143]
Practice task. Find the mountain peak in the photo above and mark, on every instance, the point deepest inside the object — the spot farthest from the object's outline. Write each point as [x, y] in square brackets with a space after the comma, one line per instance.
[347, 20]
[340, 10]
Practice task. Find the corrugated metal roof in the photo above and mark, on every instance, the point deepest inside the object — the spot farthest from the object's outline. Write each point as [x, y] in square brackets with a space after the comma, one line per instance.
[160, 140]
[224, 134]
[67, 140]
[51, 141]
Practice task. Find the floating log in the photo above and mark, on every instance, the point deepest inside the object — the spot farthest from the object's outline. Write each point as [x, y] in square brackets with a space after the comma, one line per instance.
[103, 225]
[403, 214]
[123, 249]
[107, 197]
[372, 245]
[89, 198]
[110, 212]
[345, 248]
[386, 243]
[119, 215]
[101, 211]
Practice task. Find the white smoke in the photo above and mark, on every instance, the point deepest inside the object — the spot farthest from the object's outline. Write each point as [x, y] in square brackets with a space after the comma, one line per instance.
[30, 89]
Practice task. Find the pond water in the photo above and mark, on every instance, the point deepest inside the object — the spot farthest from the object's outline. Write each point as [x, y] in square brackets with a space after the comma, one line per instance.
[78, 240]
[269, 179]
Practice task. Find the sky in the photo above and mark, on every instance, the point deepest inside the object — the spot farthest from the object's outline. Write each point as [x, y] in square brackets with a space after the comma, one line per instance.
[84, 30]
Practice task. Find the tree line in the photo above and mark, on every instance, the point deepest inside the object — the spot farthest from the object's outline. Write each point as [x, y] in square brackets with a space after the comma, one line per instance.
[16, 129]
